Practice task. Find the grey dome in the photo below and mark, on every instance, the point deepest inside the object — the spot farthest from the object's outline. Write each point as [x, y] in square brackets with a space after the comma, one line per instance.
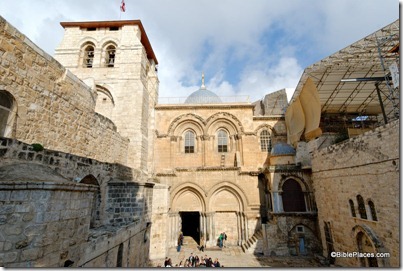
[282, 149]
[203, 96]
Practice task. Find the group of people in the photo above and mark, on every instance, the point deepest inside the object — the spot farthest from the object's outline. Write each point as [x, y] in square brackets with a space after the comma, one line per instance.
[221, 242]
[194, 261]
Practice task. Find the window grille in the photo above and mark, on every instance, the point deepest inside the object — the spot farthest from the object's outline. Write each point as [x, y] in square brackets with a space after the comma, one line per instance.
[189, 142]
[222, 141]
[265, 141]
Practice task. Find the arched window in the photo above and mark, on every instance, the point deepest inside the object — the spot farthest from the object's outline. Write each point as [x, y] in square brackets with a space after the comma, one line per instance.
[352, 208]
[361, 207]
[88, 58]
[110, 56]
[373, 212]
[105, 102]
[265, 141]
[293, 197]
[222, 141]
[6, 113]
[189, 142]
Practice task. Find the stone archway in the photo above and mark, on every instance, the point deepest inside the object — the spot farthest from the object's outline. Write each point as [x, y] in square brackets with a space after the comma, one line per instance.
[96, 204]
[187, 214]
[226, 206]
[368, 242]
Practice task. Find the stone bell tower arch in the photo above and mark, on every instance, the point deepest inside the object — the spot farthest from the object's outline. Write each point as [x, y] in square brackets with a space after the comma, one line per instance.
[117, 58]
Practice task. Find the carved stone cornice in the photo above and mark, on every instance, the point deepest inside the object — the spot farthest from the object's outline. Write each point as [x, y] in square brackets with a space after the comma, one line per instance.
[278, 117]
[166, 174]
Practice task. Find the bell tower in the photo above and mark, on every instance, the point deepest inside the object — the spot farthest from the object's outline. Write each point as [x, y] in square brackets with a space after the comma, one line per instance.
[115, 59]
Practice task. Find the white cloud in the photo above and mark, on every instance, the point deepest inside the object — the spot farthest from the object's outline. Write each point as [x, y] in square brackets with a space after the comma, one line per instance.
[213, 36]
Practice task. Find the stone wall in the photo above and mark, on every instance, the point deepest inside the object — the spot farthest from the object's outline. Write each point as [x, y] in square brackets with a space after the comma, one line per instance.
[59, 210]
[159, 230]
[54, 108]
[367, 165]
[43, 224]
[281, 232]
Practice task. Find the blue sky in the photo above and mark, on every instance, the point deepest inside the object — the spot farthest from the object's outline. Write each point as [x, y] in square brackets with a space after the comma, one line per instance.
[244, 47]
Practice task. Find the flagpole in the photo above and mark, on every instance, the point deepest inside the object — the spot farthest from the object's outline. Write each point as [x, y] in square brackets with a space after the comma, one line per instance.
[120, 15]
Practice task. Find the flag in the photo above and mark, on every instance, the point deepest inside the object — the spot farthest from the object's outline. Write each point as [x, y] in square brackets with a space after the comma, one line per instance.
[123, 6]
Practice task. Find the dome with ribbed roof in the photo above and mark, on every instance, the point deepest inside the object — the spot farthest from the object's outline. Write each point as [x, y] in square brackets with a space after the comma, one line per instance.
[203, 96]
[282, 149]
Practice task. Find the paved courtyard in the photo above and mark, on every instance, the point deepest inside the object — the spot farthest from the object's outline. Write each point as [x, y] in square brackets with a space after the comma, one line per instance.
[235, 257]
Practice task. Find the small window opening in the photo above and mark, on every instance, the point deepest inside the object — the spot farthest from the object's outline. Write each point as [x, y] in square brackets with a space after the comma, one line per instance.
[91, 29]
[88, 56]
[189, 142]
[352, 208]
[373, 211]
[222, 141]
[265, 141]
[300, 229]
[110, 56]
[113, 28]
[361, 207]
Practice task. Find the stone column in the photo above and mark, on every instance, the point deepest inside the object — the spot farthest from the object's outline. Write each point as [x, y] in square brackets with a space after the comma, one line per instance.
[210, 229]
[203, 226]
[174, 228]
[307, 199]
[173, 141]
[239, 228]
[239, 141]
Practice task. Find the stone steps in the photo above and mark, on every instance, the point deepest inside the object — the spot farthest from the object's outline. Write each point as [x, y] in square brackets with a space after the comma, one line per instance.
[254, 245]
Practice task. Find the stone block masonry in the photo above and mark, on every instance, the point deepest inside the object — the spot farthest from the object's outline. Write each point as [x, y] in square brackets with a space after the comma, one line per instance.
[366, 166]
[46, 216]
[52, 106]
[42, 223]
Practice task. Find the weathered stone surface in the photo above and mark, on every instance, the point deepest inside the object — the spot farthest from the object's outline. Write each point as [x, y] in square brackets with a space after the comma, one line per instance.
[361, 166]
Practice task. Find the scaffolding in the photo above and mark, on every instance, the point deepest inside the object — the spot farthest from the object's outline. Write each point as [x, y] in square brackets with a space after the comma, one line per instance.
[390, 62]
[357, 85]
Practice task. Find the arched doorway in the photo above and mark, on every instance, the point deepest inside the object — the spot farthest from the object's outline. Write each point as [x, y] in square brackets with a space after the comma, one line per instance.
[187, 214]
[293, 197]
[368, 242]
[96, 205]
[190, 223]
[365, 246]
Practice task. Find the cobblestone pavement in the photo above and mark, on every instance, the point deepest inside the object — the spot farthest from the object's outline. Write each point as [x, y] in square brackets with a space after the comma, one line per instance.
[235, 257]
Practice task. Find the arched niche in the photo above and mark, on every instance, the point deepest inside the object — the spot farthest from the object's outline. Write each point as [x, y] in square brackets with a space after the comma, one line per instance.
[188, 198]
